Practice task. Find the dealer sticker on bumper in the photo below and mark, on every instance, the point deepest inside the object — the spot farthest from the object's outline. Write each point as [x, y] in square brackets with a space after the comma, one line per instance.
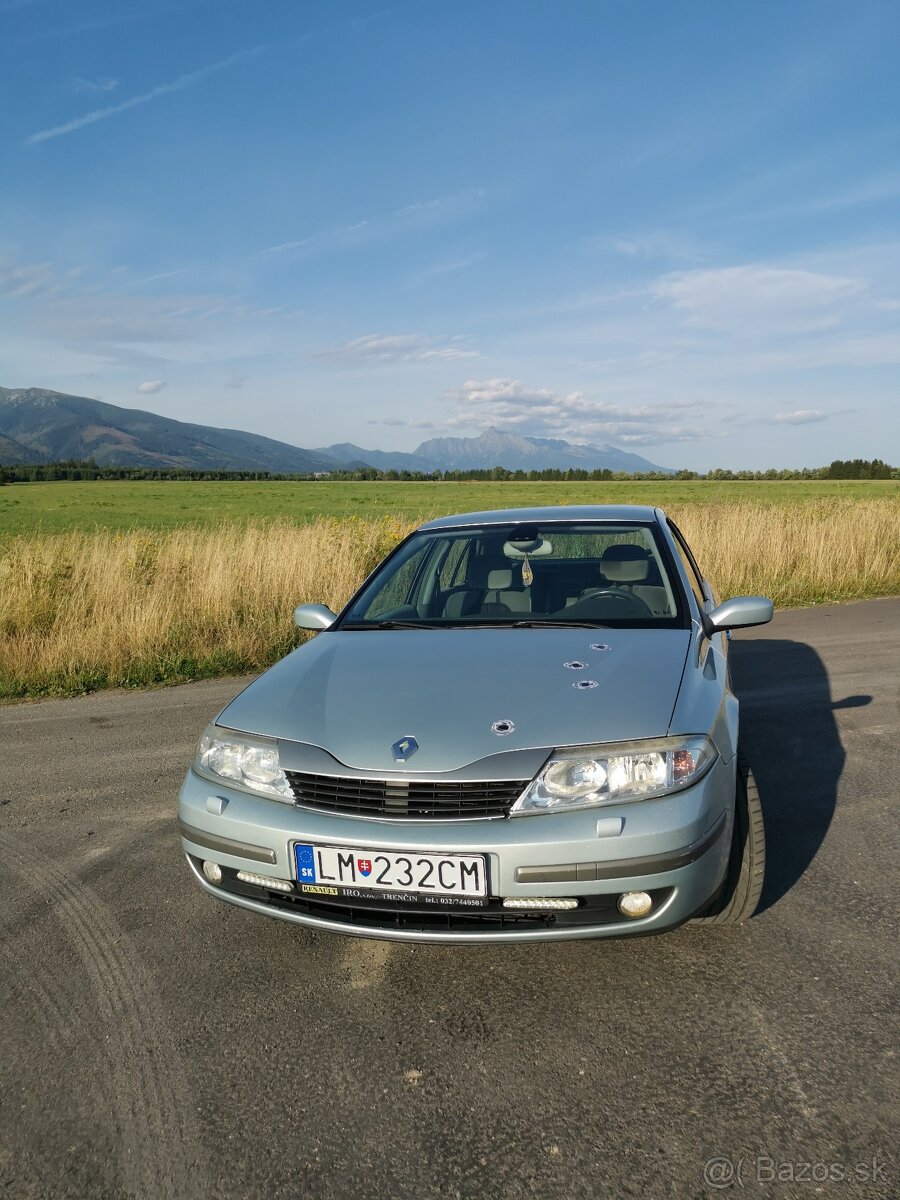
[382, 874]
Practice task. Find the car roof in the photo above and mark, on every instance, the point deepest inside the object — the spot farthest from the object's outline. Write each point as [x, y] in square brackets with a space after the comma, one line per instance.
[543, 516]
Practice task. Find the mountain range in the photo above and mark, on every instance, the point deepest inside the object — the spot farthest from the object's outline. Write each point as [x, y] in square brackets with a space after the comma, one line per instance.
[37, 425]
[496, 447]
[42, 426]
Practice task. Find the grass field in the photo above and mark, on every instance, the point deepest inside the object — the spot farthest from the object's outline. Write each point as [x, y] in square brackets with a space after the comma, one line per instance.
[55, 507]
[128, 584]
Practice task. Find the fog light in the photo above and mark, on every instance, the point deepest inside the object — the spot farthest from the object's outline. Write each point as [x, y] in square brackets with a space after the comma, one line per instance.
[212, 871]
[634, 904]
[266, 881]
[542, 902]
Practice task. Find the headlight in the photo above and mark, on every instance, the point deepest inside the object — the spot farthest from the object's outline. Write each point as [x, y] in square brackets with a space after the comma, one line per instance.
[619, 773]
[250, 763]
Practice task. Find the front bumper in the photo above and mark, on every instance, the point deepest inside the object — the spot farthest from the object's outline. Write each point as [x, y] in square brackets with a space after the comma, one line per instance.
[675, 848]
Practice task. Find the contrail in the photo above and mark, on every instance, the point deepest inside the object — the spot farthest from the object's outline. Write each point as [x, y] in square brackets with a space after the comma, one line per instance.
[177, 85]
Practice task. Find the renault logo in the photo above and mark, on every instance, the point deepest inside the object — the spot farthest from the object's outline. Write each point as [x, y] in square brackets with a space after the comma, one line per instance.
[403, 749]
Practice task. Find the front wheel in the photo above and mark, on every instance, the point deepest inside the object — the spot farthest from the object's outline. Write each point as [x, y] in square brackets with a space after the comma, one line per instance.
[747, 861]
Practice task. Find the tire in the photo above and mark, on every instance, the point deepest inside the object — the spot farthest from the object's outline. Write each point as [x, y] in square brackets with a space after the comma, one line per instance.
[747, 861]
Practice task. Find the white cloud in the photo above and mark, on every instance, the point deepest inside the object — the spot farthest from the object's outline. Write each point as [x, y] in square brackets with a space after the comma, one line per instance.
[402, 347]
[113, 319]
[283, 247]
[651, 243]
[151, 386]
[800, 416]
[158, 276]
[163, 89]
[29, 279]
[756, 300]
[876, 189]
[94, 86]
[401, 422]
[509, 405]
[870, 350]
[98, 315]
[385, 225]
[447, 266]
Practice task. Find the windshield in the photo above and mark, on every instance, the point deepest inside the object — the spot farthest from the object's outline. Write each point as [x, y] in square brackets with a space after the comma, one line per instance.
[523, 575]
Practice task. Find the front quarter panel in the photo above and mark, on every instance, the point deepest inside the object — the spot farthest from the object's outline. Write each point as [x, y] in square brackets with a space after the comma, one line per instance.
[705, 701]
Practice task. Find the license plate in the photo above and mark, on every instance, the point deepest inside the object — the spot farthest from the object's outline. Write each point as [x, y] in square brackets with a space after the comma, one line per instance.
[351, 872]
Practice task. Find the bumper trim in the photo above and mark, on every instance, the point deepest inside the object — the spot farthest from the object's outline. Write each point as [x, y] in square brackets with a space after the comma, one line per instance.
[622, 868]
[212, 841]
[626, 927]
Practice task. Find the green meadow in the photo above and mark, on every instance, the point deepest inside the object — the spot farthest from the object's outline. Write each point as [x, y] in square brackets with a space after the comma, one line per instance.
[121, 505]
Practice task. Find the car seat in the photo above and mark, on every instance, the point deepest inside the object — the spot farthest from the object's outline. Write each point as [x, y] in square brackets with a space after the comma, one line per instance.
[500, 590]
[490, 592]
[628, 567]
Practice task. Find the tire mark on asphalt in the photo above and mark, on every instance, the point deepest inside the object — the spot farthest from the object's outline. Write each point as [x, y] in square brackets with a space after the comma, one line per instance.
[771, 1046]
[147, 1093]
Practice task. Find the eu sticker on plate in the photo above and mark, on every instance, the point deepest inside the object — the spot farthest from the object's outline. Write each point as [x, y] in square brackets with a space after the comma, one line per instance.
[306, 864]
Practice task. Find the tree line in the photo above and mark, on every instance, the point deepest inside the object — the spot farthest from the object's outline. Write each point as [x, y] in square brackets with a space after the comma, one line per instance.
[87, 469]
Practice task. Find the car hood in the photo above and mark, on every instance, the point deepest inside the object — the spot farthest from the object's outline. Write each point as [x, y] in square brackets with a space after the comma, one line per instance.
[356, 693]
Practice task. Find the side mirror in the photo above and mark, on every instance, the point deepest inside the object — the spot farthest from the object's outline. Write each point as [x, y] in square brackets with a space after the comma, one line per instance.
[314, 616]
[739, 613]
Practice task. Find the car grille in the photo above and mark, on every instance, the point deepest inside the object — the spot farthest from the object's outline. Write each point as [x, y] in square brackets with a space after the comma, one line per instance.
[402, 800]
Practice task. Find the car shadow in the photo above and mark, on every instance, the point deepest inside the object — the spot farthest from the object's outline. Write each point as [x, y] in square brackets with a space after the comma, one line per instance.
[790, 737]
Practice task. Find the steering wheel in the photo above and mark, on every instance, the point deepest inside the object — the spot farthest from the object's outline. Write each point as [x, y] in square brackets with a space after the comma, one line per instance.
[637, 605]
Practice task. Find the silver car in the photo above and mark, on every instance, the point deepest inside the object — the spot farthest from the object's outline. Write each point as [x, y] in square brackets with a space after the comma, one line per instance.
[520, 728]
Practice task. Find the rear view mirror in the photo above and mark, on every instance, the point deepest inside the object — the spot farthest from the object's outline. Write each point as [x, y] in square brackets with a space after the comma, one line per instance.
[739, 613]
[536, 548]
[314, 616]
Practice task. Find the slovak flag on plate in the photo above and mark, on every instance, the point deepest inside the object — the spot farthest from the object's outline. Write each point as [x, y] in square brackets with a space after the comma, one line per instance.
[365, 866]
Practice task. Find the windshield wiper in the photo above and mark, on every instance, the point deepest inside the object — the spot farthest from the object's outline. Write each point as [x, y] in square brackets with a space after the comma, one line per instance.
[559, 625]
[390, 624]
[407, 625]
[355, 625]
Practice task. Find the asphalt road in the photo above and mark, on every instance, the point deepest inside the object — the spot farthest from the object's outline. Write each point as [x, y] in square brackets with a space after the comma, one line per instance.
[156, 1043]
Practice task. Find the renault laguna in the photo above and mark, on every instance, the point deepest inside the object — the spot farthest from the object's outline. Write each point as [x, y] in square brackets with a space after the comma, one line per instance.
[521, 727]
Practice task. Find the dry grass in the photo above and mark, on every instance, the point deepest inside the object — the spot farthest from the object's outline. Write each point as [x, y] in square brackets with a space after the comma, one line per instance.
[818, 552]
[85, 610]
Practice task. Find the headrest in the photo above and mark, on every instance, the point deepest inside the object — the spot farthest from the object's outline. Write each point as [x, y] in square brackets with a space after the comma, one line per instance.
[499, 580]
[482, 568]
[625, 564]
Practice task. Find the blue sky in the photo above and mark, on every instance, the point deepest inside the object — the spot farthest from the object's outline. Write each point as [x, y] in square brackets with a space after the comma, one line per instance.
[670, 227]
